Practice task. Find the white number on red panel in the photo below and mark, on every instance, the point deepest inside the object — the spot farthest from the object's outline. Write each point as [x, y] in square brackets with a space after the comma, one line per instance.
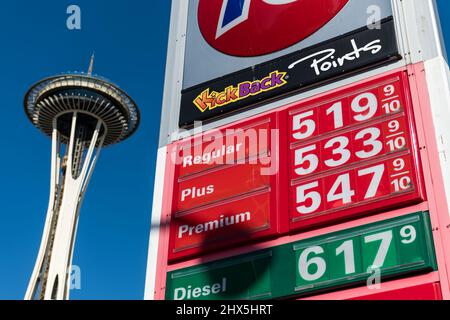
[388, 137]
[355, 186]
[349, 111]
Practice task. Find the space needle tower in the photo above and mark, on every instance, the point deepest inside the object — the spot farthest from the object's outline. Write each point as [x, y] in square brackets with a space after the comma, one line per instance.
[81, 113]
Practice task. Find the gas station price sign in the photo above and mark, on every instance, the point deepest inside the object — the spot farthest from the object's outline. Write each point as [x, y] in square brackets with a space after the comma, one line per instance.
[353, 153]
[393, 247]
[343, 155]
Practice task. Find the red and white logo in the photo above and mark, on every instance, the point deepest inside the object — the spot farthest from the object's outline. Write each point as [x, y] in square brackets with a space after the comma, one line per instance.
[248, 28]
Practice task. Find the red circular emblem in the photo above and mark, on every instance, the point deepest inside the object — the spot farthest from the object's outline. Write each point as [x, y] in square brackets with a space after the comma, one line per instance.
[248, 28]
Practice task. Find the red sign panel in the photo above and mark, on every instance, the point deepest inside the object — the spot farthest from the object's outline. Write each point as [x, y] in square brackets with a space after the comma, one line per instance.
[346, 109]
[225, 192]
[223, 224]
[221, 147]
[342, 194]
[227, 182]
[427, 292]
[350, 147]
[352, 154]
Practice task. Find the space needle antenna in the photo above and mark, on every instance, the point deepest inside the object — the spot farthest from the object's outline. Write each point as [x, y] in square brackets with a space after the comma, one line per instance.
[91, 65]
[80, 113]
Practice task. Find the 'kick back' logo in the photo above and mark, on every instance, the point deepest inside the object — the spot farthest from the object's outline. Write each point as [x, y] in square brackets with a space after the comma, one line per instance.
[209, 100]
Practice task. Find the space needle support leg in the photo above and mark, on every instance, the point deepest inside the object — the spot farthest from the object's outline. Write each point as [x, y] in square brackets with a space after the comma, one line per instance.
[61, 234]
[85, 176]
[38, 278]
[58, 286]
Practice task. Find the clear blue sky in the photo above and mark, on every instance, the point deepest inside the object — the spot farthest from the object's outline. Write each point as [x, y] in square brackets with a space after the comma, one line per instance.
[129, 39]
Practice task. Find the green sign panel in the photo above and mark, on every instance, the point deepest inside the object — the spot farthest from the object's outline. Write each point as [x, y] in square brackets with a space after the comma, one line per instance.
[389, 248]
[240, 278]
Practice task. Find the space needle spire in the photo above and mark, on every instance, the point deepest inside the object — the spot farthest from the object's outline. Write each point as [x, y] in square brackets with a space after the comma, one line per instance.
[91, 65]
[81, 114]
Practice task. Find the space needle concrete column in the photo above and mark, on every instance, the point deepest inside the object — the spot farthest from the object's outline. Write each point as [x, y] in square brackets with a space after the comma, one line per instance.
[81, 113]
